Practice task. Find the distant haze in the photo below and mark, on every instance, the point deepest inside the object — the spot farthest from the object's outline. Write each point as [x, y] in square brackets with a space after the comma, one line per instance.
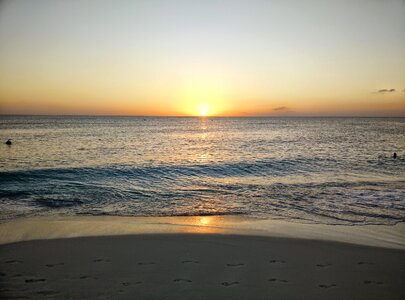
[231, 58]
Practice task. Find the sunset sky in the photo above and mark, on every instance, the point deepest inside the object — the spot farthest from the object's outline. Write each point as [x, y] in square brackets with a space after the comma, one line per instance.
[238, 58]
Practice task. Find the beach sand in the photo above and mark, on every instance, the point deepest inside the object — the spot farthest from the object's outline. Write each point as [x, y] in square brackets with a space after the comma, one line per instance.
[198, 266]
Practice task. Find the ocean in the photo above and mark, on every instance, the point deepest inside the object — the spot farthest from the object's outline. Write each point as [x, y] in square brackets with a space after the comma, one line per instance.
[311, 170]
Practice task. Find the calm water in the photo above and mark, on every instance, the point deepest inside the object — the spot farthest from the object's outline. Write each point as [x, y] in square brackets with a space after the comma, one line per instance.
[323, 170]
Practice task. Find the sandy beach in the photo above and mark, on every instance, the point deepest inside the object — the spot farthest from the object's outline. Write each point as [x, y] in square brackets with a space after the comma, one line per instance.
[202, 150]
[203, 264]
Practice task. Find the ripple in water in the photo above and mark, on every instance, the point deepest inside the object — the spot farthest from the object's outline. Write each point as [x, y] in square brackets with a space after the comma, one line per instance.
[322, 170]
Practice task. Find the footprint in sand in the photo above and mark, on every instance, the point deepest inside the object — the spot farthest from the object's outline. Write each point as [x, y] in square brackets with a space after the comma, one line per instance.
[373, 282]
[145, 263]
[2, 274]
[275, 261]
[190, 262]
[130, 283]
[235, 265]
[101, 260]
[181, 280]
[323, 265]
[327, 286]
[364, 263]
[229, 283]
[54, 265]
[87, 277]
[14, 261]
[34, 280]
[277, 280]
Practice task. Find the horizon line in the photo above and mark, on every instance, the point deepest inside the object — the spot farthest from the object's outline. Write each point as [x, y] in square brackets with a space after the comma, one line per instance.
[206, 117]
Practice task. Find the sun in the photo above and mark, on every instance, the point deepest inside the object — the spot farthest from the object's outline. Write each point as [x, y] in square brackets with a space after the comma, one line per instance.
[203, 110]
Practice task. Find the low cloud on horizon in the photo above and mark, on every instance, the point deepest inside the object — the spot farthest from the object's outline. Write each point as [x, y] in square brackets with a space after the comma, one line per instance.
[280, 108]
[386, 91]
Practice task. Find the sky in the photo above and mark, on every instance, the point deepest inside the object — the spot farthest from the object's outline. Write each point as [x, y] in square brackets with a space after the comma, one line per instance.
[211, 57]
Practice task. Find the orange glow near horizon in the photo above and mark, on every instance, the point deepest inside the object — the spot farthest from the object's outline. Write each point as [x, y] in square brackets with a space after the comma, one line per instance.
[201, 98]
[155, 58]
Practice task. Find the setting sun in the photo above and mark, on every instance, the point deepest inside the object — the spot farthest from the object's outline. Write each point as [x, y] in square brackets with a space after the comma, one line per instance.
[203, 110]
[202, 149]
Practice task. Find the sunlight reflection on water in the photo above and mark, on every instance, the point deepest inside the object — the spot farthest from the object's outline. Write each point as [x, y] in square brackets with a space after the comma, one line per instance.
[334, 171]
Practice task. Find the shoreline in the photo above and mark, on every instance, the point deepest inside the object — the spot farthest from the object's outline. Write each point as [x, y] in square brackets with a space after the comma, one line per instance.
[39, 228]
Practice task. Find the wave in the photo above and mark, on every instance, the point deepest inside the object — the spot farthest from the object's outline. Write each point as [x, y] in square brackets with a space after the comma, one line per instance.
[275, 167]
[58, 203]
[254, 188]
[254, 168]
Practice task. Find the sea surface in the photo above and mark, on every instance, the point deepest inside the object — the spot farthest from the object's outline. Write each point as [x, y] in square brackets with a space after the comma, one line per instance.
[312, 170]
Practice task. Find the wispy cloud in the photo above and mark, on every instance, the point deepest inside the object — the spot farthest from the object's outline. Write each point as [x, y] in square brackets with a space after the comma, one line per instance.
[280, 108]
[386, 91]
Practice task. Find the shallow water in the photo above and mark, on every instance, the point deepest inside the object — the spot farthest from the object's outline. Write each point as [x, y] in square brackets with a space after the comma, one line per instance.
[321, 170]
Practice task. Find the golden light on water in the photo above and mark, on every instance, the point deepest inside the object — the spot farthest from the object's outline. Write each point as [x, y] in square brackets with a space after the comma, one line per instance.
[204, 221]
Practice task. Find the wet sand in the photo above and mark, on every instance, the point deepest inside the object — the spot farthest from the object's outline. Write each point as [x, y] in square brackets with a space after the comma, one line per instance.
[211, 257]
[39, 228]
[199, 266]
